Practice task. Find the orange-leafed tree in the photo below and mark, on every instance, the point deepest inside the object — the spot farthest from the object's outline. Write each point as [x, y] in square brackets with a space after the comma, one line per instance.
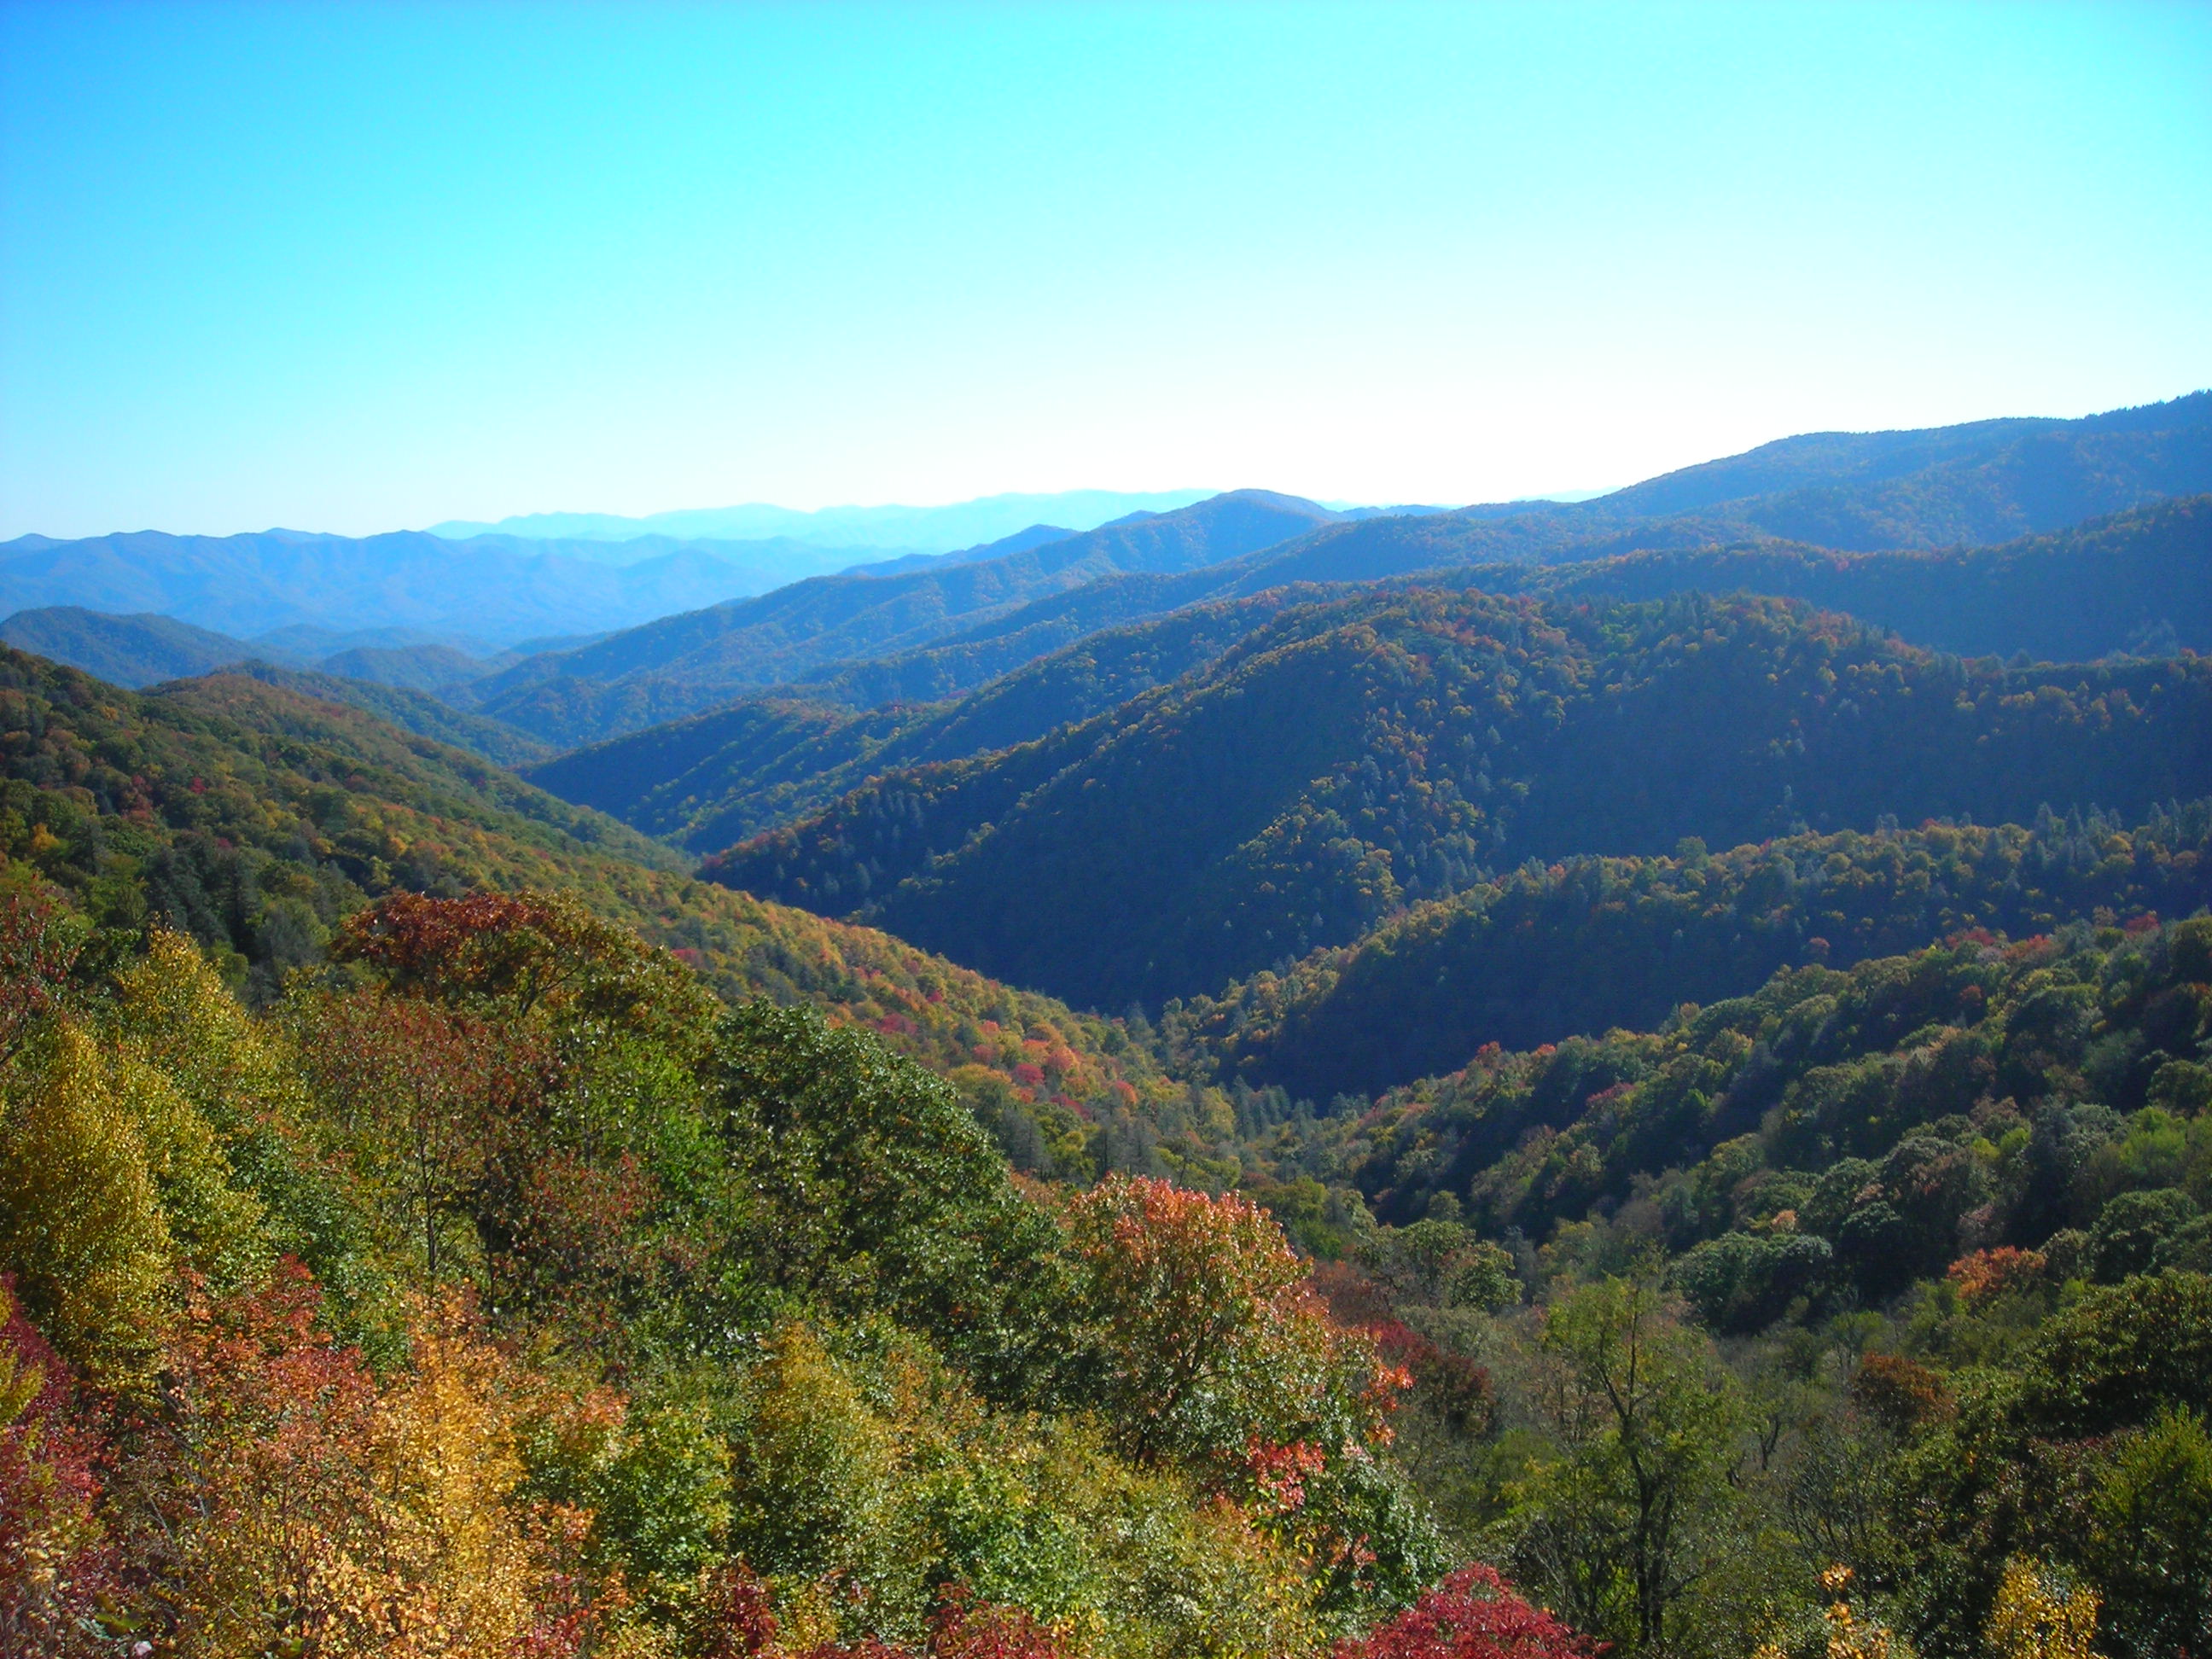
[1198, 1335]
[1200, 1332]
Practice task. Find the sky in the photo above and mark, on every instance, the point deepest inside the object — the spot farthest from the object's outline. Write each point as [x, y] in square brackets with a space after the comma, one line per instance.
[358, 268]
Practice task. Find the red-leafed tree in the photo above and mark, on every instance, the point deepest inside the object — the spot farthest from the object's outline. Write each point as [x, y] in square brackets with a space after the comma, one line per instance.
[1472, 1614]
[56, 1566]
[38, 941]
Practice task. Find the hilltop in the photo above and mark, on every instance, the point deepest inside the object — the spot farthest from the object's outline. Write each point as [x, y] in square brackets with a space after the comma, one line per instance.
[1352, 756]
[1990, 482]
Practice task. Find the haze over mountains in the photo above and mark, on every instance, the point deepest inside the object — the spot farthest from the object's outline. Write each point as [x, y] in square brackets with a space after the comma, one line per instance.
[907, 529]
[488, 587]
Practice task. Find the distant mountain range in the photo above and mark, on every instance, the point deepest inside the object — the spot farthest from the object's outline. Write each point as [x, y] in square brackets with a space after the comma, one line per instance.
[1872, 523]
[495, 590]
[903, 529]
[681, 664]
[1992, 480]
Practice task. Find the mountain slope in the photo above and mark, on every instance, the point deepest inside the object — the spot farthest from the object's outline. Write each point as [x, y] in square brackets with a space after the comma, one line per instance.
[2139, 581]
[2120, 583]
[144, 650]
[255, 817]
[683, 664]
[1350, 758]
[415, 712]
[1592, 943]
[716, 778]
[1990, 482]
[130, 650]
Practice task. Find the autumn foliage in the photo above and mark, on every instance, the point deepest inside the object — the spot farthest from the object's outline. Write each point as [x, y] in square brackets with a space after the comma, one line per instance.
[1472, 1614]
[495, 1294]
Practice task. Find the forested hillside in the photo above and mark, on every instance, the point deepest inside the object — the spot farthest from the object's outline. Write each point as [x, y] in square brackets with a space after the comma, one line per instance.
[127, 650]
[715, 779]
[1947, 1214]
[2141, 581]
[1854, 492]
[255, 820]
[412, 711]
[1583, 946]
[1352, 758]
[404, 1255]
[496, 1292]
[2138, 582]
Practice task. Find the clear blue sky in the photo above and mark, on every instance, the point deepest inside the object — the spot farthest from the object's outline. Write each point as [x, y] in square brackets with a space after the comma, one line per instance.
[362, 267]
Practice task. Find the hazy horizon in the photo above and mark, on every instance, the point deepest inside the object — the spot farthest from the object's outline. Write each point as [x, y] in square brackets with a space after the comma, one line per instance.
[352, 269]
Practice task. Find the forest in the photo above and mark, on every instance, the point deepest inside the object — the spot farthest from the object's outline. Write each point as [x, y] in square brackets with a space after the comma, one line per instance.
[1352, 756]
[1592, 1109]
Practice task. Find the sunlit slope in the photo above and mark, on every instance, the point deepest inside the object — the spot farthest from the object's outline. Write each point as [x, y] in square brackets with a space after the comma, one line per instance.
[1350, 758]
[254, 817]
[1544, 953]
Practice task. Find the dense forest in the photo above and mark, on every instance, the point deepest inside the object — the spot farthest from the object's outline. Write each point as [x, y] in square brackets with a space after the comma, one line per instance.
[1550, 951]
[1646, 1118]
[1350, 758]
[2125, 585]
[255, 820]
[2130, 583]
[495, 1289]
[708, 782]
[1946, 1214]
[685, 663]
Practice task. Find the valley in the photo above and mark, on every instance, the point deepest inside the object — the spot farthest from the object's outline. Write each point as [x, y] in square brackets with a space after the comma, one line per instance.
[1759, 914]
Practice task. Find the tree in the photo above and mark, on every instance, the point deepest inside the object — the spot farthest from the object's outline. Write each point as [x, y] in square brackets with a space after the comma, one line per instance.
[81, 1220]
[288, 1501]
[56, 1565]
[2150, 1538]
[1199, 1334]
[1472, 1614]
[428, 1091]
[1622, 1517]
[532, 950]
[2036, 1617]
[38, 941]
